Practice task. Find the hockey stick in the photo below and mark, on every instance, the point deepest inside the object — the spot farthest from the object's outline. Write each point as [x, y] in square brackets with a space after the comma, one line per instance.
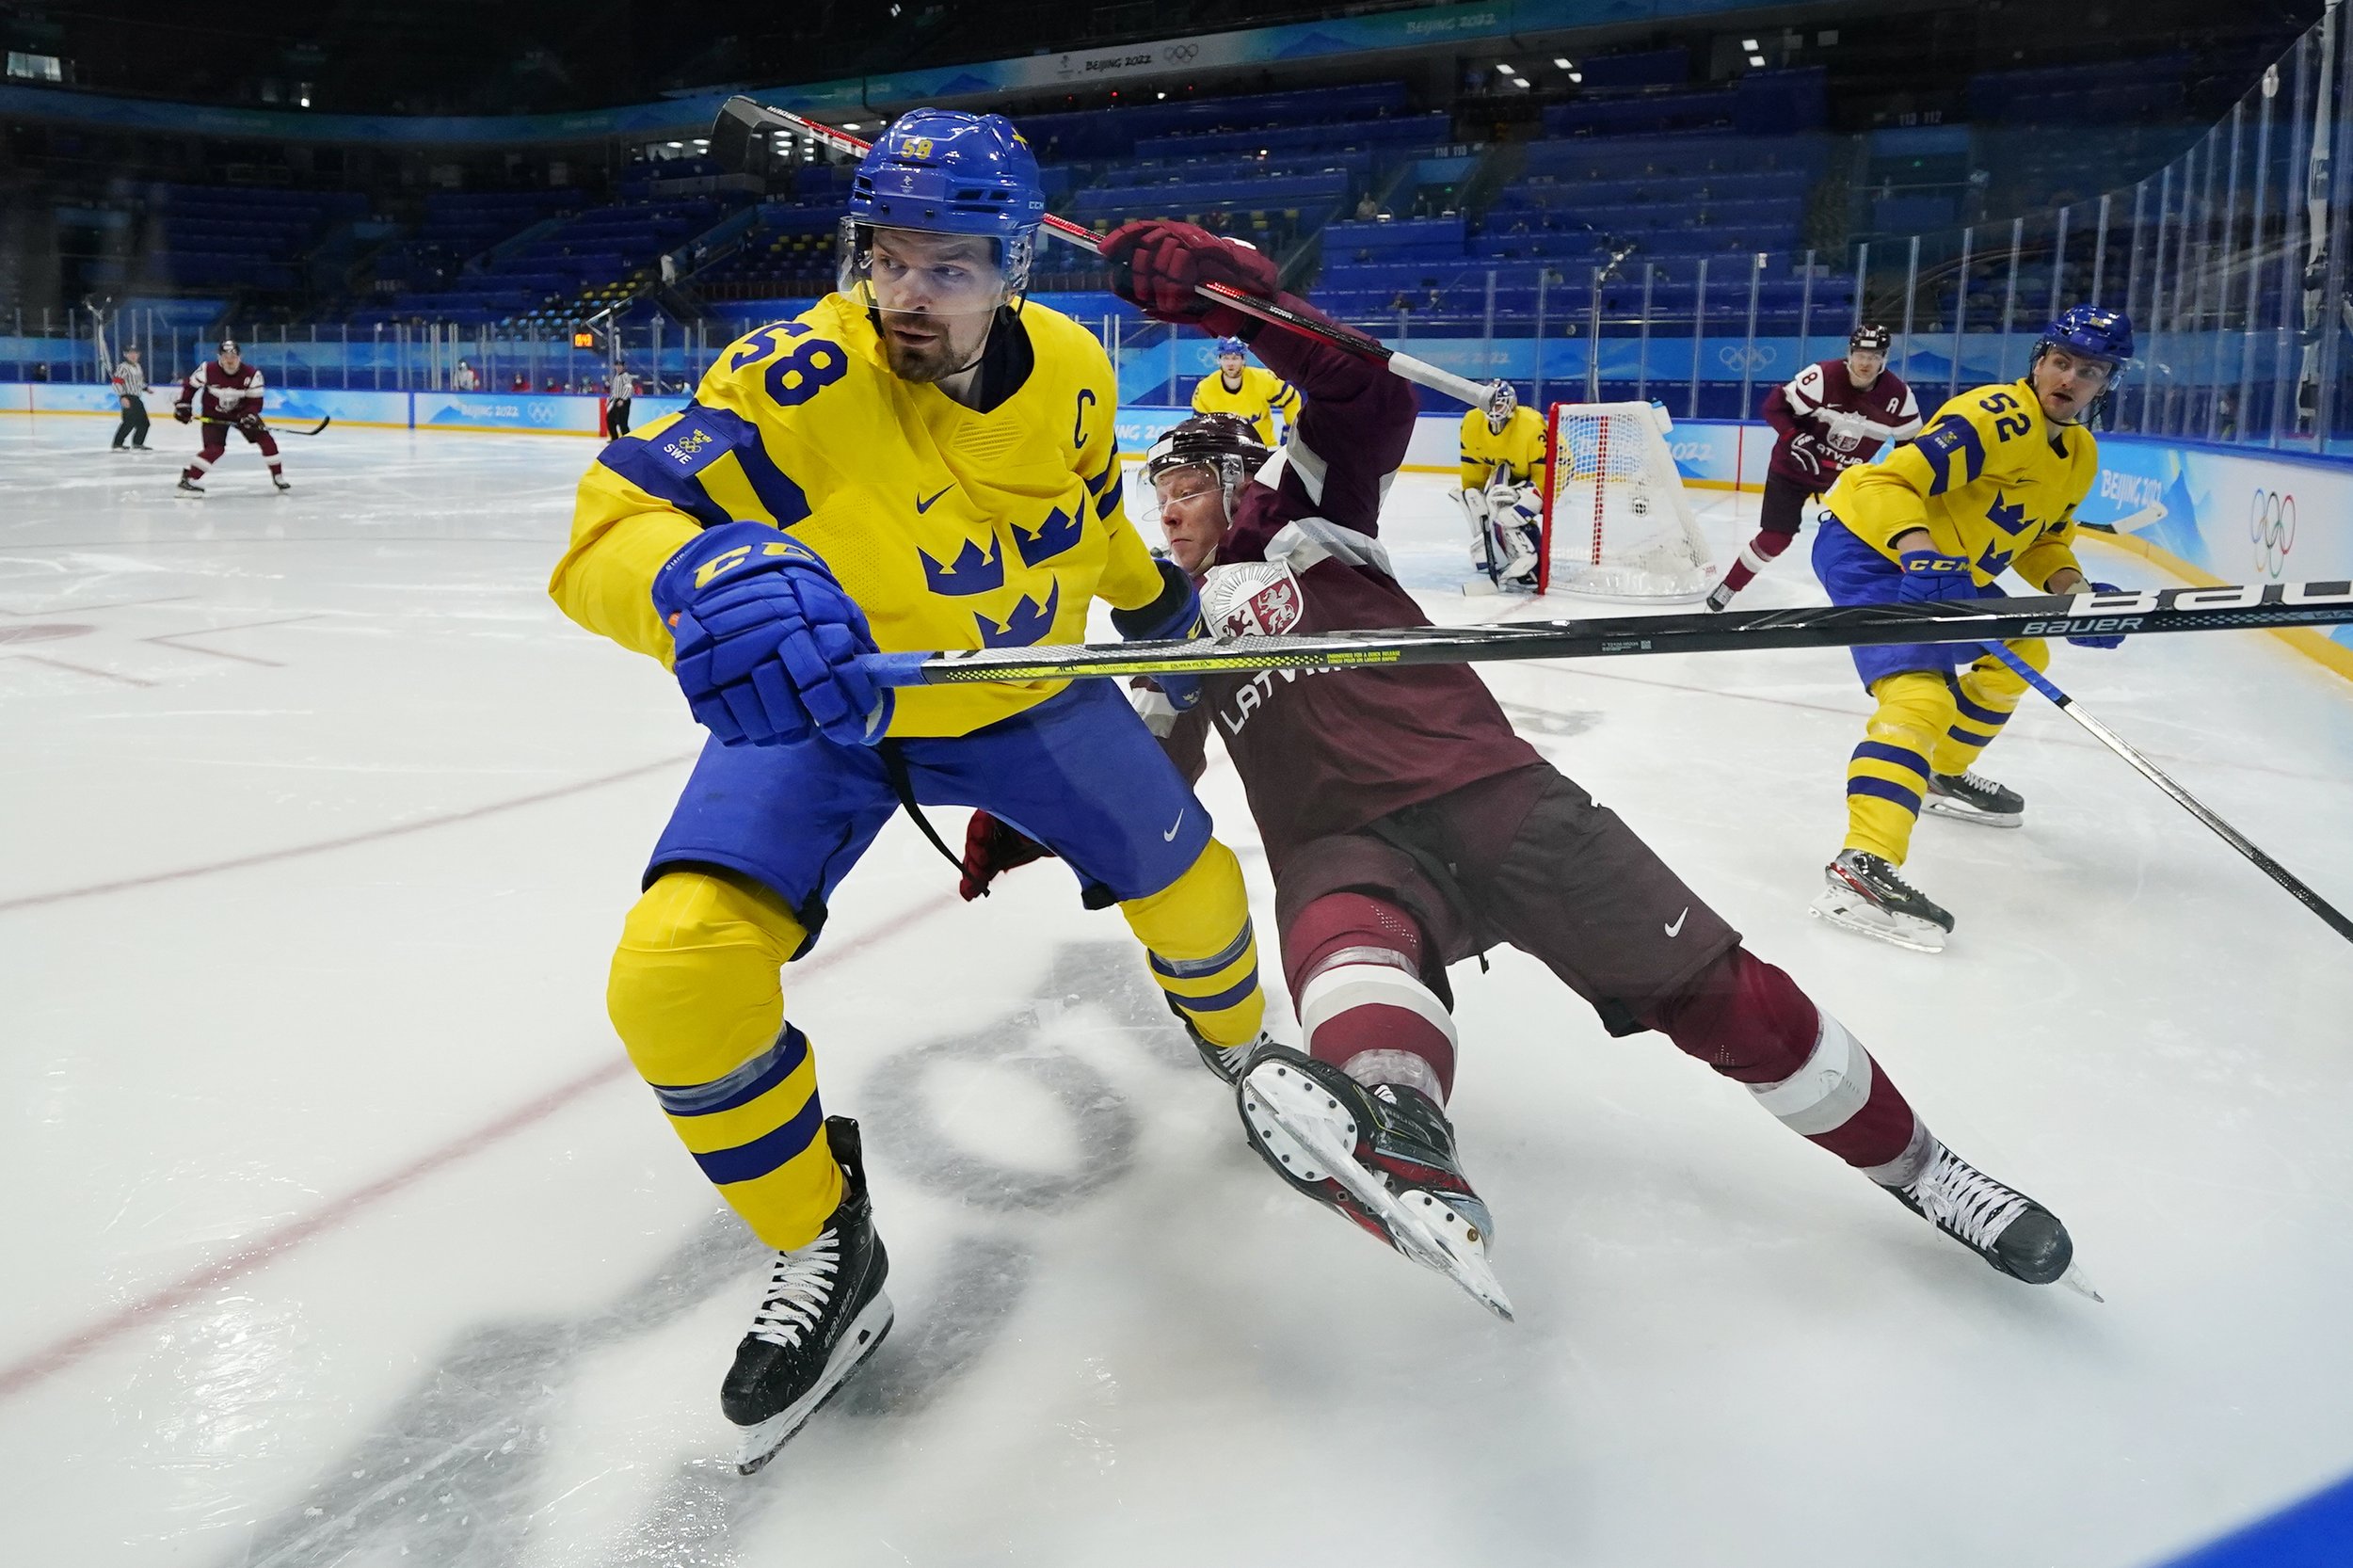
[2229, 834]
[1975, 620]
[734, 141]
[290, 430]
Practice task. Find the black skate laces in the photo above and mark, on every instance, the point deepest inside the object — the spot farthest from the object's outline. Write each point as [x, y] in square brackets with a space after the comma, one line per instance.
[798, 1289]
[1958, 1198]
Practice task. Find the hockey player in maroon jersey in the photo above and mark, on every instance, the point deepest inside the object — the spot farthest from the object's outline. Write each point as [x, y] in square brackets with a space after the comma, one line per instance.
[1829, 417]
[1408, 827]
[226, 392]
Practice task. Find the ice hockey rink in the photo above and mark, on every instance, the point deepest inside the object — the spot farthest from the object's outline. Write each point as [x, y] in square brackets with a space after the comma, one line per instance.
[340, 1232]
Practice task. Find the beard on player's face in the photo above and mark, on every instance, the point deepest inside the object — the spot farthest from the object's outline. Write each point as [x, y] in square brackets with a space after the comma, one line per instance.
[935, 296]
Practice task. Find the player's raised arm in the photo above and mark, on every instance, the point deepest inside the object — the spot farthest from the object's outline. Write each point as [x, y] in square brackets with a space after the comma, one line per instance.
[1356, 417]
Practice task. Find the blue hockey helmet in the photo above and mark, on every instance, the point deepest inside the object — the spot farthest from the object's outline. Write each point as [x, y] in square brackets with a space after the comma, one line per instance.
[946, 172]
[2091, 330]
[1228, 346]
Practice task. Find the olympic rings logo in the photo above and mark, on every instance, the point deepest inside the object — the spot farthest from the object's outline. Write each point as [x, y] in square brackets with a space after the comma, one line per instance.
[2272, 529]
[1180, 52]
[1747, 356]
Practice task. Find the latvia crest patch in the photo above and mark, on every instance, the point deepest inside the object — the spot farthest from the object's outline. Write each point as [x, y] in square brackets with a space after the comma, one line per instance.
[1252, 599]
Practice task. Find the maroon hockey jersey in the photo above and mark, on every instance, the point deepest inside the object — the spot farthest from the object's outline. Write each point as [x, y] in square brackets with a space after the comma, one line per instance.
[1827, 426]
[1328, 753]
[223, 395]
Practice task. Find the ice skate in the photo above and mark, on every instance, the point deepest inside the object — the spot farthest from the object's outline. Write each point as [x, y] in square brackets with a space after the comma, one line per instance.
[279, 481]
[821, 1314]
[1966, 797]
[1862, 894]
[1226, 1060]
[2001, 1224]
[190, 486]
[1719, 597]
[1384, 1157]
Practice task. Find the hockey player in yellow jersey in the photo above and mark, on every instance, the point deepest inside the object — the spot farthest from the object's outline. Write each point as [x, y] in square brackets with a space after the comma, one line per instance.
[1502, 493]
[1991, 486]
[921, 460]
[1246, 392]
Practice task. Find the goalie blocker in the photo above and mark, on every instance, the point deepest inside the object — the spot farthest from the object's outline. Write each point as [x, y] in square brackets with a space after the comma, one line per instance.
[1617, 522]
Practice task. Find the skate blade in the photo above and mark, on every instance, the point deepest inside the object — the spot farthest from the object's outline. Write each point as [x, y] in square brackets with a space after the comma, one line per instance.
[1939, 807]
[2076, 1280]
[863, 1337]
[1324, 1137]
[1916, 935]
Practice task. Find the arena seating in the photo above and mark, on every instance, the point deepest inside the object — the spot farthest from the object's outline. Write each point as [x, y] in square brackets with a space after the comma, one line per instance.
[573, 267]
[1271, 168]
[222, 237]
[1617, 205]
[458, 227]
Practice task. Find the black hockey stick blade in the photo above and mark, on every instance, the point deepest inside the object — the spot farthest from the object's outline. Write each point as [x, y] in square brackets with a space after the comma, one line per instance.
[298, 430]
[2250, 607]
[740, 136]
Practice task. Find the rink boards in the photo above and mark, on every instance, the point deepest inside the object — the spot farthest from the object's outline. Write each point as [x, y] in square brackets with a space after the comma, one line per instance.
[2210, 514]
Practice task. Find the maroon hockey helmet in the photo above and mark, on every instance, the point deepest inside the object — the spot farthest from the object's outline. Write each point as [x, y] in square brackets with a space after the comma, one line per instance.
[1225, 445]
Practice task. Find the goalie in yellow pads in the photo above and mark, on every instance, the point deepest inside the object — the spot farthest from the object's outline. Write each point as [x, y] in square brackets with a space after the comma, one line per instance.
[921, 460]
[1503, 473]
[1991, 486]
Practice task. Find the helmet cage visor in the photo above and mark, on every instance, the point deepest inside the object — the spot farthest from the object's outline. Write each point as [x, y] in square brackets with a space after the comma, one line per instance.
[915, 276]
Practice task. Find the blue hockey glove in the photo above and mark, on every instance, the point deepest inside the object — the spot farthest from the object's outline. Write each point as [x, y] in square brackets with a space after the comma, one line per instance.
[1177, 614]
[768, 641]
[2110, 639]
[1930, 575]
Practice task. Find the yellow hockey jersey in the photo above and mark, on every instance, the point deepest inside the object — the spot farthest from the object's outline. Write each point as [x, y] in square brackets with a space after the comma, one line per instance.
[1262, 395]
[1990, 478]
[1519, 446]
[951, 528]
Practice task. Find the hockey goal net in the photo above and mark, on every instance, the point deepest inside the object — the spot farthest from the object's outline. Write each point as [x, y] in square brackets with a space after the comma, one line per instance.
[1617, 523]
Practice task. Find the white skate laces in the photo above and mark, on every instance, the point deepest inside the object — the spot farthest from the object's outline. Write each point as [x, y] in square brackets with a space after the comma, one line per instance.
[799, 1288]
[1958, 1198]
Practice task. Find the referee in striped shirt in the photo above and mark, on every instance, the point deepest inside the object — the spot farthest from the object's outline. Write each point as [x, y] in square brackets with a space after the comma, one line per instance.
[131, 387]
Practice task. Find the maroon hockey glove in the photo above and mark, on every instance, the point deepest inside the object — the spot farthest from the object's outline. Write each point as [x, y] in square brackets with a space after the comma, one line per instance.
[1155, 265]
[992, 848]
[182, 412]
[249, 423]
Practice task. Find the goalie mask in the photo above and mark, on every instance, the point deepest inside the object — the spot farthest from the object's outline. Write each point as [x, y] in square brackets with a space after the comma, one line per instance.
[1502, 403]
[942, 224]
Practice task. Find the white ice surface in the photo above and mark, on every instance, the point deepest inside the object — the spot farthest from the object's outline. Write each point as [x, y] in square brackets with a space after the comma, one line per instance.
[317, 824]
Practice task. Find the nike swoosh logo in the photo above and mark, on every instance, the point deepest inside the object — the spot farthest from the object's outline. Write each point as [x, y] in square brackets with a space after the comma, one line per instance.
[923, 506]
[1676, 929]
[1170, 837]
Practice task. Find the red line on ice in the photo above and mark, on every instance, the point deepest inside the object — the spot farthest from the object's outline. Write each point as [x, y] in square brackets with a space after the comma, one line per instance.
[295, 852]
[63, 1352]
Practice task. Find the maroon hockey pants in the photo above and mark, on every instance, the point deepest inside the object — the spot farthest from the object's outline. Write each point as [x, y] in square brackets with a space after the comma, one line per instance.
[1371, 919]
[216, 442]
